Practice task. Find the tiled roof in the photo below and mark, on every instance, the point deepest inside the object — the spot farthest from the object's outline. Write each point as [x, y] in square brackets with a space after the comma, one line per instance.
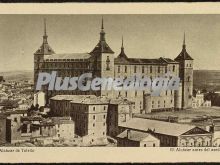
[69, 56]
[62, 120]
[137, 136]
[102, 47]
[45, 49]
[15, 112]
[160, 61]
[161, 127]
[183, 56]
[32, 118]
[82, 99]
[121, 101]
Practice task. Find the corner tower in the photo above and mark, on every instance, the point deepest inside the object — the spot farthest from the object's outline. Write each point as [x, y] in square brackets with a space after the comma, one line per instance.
[102, 59]
[39, 55]
[186, 76]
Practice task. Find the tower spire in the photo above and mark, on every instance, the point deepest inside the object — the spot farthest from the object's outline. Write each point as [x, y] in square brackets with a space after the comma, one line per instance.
[102, 33]
[45, 32]
[122, 53]
[184, 41]
[122, 43]
[102, 24]
[45, 27]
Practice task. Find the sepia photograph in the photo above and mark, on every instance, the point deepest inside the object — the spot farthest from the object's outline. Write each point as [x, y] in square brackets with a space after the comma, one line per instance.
[110, 80]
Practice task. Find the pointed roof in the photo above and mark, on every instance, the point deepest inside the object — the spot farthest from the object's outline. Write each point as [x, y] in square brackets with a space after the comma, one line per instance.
[45, 48]
[122, 57]
[122, 53]
[102, 46]
[183, 54]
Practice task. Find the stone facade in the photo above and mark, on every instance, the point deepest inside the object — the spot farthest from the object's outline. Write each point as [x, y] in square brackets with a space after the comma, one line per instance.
[119, 111]
[2, 129]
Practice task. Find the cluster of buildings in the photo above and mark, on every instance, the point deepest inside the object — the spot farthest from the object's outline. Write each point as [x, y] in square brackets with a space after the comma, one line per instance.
[16, 95]
[17, 126]
[199, 101]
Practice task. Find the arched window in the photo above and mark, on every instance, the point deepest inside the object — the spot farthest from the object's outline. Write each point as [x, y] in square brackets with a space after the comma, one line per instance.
[125, 69]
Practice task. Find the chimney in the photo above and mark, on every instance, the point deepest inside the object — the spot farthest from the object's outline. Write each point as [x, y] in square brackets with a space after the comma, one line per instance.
[128, 134]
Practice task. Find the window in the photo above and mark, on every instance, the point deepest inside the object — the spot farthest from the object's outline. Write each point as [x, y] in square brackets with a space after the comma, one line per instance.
[93, 108]
[166, 93]
[171, 101]
[166, 69]
[145, 145]
[150, 69]
[188, 78]
[15, 119]
[93, 124]
[103, 133]
[154, 145]
[118, 69]
[107, 63]
[93, 117]
[135, 69]
[104, 107]
[135, 93]
[158, 69]
[125, 69]
[126, 94]
[173, 68]
[104, 116]
[142, 69]
[103, 124]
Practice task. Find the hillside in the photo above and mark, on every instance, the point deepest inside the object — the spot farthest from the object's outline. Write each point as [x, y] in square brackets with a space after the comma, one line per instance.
[17, 75]
[207, 79]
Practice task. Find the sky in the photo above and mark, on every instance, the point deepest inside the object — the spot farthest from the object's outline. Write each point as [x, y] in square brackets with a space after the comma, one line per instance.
[145, 36]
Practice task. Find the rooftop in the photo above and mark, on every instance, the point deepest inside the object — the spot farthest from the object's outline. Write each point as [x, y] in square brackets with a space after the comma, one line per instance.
[15, 112]
[136, 135]
[82, 99]
[122, 101]
[161, 127]
[68, 56]
[161, 60]
[62, 120]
